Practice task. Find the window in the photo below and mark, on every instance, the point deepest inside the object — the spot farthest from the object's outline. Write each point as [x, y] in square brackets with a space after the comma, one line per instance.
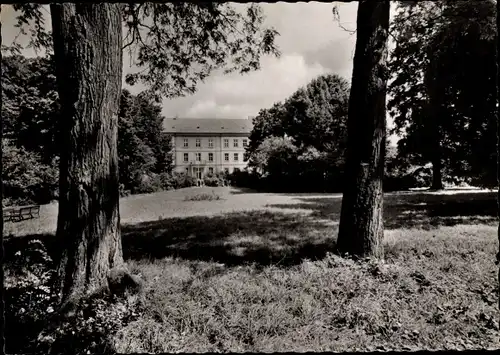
[211, 170]
[198, 142]
[198, 156]
[186, 157]
[210, 156]
[186, 143]
[235, 156]
[236, 170]
[210, 143]
[226, 143]
[245, 142]
[226, 156]
[235, 143]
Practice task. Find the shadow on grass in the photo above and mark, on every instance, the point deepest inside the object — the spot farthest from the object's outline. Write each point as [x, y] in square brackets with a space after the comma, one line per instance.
[259, 237]
[415, 210]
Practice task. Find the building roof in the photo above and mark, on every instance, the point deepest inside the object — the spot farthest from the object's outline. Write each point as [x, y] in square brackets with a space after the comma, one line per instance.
[207, 125]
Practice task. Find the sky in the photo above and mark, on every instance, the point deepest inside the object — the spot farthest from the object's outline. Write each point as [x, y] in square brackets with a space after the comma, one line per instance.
[311, 43]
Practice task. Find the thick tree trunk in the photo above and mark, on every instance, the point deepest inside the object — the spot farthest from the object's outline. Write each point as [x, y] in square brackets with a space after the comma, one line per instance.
[498, 139]
[361, 224]
[87, 49]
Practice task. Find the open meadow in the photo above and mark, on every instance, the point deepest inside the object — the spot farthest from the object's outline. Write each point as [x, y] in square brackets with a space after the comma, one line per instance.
[253, 272]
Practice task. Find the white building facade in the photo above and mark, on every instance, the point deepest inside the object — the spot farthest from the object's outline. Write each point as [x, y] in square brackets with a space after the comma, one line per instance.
[203, 146]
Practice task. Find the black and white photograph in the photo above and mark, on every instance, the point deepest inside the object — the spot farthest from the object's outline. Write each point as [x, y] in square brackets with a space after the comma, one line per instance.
[250, 177]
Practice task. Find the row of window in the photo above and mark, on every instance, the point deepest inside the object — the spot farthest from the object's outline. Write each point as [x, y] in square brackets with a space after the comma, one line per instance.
[211, 143]
[211, 157]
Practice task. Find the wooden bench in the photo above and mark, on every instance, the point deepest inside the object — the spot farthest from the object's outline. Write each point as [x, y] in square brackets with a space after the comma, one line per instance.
[21, 213]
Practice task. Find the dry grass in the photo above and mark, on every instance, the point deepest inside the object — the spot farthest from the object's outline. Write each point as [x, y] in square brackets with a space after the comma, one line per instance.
[251, 272]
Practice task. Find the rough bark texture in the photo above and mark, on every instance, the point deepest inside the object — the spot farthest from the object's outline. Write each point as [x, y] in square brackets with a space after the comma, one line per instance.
[2, 319]
[498, 140]
[361, 221]
[87, 48]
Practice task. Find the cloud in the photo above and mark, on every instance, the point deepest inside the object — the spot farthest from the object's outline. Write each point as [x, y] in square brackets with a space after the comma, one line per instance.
[237, 96]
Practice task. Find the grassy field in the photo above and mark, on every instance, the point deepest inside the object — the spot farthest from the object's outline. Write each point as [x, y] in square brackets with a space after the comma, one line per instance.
[253, 272]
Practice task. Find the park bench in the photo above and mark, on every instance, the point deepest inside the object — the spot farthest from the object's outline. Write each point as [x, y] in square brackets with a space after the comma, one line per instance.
[21, 213]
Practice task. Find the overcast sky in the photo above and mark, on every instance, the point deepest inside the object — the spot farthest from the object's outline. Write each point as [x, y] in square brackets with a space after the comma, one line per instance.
[311, 43]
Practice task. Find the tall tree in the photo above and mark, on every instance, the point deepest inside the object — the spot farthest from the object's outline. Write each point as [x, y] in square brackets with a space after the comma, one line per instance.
[314, 116]
[177, 45]
[443, 88]
[361, 225]
[88, 40]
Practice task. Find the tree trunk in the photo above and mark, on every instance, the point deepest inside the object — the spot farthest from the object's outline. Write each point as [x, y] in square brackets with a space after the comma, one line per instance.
[435, 143]
[87, 49]
[498, 138]
[437, 175]
[361, 222]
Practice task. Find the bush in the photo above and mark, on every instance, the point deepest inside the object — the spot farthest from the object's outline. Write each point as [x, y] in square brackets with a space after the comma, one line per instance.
[32, 324]
[214, 180]
[203, 197]
[181, 180]
[404, 179]
[26, 179]
[245, 179]
[146, 184]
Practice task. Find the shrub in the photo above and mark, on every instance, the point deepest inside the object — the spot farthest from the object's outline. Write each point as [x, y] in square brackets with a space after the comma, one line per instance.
[203, 197]
[26, 179]
[147, 183]
[214, 180]
[28, 294]
[181, 180]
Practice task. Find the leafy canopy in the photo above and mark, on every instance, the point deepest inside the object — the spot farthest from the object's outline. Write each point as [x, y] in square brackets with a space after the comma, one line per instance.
[314, 116]
[443, 83]
[174, 46]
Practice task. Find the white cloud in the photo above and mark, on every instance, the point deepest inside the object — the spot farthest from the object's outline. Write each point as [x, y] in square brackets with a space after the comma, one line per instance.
[236, 95]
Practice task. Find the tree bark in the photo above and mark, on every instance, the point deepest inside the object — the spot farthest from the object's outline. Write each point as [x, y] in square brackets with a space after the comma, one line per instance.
[87, 48]
[361, 221]
[498, 138]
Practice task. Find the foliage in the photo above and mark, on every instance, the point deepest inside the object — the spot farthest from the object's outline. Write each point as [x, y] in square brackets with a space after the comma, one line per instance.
[316, 114]
[214, 180]
[31, 309]
[26, 179]
[28, 294]
[304, 137]
[313, 116]
[30, 104]
[143, 148]
[176, 45]
[269, 122]
[443, 92]
[181, 180]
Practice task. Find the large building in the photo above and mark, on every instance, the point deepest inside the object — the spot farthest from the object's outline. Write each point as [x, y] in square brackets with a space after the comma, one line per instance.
[202, 146]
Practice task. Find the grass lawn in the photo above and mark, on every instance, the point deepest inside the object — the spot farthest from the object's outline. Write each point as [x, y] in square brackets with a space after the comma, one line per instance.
[253, 272]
